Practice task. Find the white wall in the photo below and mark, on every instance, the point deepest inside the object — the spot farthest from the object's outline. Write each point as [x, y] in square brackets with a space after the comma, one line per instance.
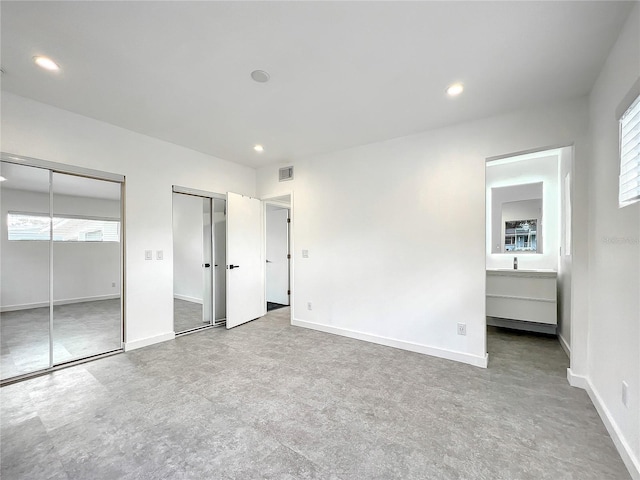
[534, 170]
[188, 283]
[396, 230]
[565, 263]
[151, 167]
[614, 246]
[81, 270]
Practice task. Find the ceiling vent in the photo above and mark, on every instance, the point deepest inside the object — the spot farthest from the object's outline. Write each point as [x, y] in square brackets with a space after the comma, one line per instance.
[285, 173]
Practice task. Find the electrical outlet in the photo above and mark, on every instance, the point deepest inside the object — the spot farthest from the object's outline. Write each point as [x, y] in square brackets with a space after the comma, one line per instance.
[148, 254]
[113, 284]
[462, 329]
[305, 254]
[625, 394]
[309, 306]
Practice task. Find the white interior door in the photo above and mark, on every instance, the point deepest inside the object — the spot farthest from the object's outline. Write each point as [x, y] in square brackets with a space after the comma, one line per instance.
[245, 264]
[277, 249]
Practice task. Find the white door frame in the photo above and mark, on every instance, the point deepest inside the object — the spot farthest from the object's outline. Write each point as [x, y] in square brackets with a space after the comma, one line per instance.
[271, 200]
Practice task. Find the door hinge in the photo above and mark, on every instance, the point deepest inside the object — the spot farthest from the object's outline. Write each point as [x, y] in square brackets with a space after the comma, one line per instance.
[288, 292]
[288, 220]
[288, 256]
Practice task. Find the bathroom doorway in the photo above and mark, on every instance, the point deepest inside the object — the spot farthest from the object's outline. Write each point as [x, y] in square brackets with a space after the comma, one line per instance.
[528, 247]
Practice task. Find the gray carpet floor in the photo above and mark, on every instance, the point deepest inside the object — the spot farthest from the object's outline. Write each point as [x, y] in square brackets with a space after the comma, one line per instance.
[79, 330]
[270, 401]
[186, 315]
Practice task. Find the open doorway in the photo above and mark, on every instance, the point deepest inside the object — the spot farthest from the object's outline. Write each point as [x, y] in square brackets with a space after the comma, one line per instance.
[528, 250]
[277, 256]
[277, 214]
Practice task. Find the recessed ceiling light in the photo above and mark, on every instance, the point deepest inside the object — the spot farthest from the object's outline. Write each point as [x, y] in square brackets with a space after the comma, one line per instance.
[259, 148]
[46, 63]
[455, 89]
[260, 76]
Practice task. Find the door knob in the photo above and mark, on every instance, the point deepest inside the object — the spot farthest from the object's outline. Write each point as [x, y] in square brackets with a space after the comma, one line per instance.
[207, 265]
[269, 261]
[231, 267]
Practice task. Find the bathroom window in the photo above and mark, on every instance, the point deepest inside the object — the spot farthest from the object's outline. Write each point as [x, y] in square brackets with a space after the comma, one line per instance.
[629, 191]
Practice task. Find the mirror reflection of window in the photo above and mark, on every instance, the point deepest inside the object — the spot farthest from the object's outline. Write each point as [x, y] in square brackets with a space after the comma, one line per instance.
[36, 226]
[521, 235]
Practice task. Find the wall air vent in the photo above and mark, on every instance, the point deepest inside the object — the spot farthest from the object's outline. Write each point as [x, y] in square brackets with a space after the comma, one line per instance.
[285, 173]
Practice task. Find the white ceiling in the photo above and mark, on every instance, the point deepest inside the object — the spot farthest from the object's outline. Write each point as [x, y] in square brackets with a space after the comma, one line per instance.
[342, 73]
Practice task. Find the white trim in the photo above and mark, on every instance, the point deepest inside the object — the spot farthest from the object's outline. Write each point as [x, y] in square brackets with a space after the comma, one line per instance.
[275, 203]
[145, 342]
[532, 153]
[624, 449]
[68, 301]
[187, 298]
[578, 381]
[198, 193]
[474, 360]
[61, 167]
[565, 346]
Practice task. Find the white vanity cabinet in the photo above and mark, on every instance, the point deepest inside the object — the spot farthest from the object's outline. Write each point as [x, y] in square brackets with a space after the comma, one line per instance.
[522, 299]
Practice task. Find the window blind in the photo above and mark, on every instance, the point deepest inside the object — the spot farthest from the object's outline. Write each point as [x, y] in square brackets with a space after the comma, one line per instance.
[629, 190]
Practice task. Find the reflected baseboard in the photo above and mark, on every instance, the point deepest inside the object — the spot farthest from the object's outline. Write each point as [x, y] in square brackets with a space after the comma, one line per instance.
[187, 298]
[68, 301]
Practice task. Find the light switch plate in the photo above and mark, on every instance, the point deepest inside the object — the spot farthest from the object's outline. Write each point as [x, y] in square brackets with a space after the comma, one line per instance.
[305, 253]
[159, 255]
[148, 254]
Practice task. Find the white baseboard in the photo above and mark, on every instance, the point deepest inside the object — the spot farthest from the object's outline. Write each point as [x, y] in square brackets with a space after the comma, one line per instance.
[474, 360]
[565, 346]
[66, 301]
[578, 381]
[630, 460]
[145, 342]
[187, 298]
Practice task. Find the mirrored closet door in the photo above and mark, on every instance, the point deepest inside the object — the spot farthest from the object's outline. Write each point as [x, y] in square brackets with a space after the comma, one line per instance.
[198, 261]
[86, 267]
[60, 267]
[24, 270]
